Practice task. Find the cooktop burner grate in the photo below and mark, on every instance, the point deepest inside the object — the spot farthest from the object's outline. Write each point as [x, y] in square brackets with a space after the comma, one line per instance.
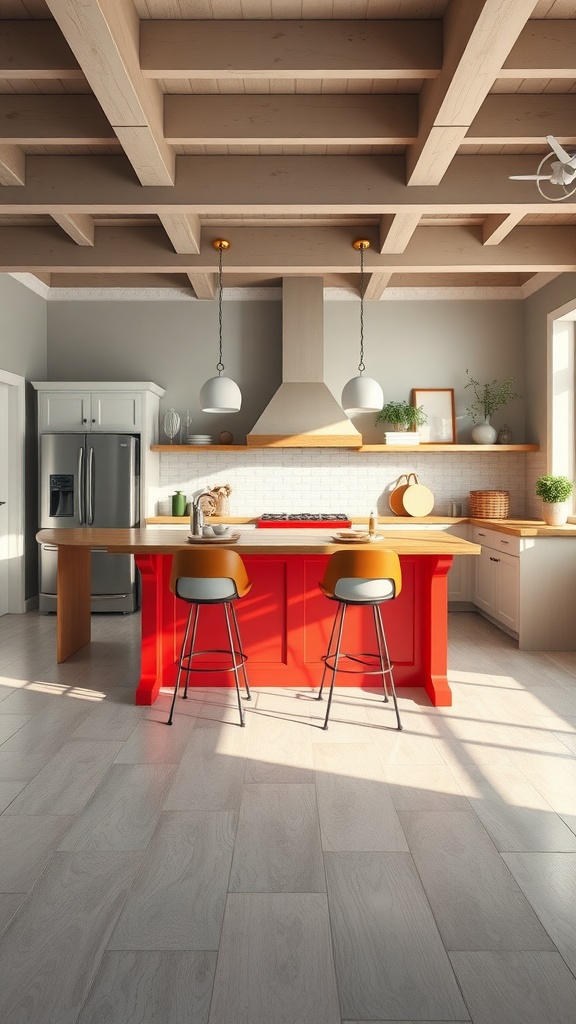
[270, 519]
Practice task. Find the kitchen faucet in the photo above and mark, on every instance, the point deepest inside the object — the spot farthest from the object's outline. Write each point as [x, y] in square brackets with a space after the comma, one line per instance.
[197, 517]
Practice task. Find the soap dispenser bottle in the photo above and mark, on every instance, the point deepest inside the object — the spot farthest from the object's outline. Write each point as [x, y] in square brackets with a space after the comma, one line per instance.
[372, 524]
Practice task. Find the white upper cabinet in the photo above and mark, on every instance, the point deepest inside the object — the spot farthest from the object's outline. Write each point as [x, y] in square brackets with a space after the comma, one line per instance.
[82, 410]
[108, 408]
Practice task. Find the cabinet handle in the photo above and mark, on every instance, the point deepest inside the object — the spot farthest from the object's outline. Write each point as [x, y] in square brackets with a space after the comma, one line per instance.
[504, 541]
[481, 534]
[84, 421]
[492, 559]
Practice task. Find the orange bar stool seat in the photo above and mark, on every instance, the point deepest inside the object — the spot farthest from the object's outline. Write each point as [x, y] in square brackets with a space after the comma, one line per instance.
[360, 577]
[204, 576]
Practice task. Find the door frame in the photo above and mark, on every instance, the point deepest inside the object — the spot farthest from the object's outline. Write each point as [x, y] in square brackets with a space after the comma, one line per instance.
[16, 390]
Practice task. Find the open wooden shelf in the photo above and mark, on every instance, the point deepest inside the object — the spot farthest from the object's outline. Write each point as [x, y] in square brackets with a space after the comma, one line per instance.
[422, 449]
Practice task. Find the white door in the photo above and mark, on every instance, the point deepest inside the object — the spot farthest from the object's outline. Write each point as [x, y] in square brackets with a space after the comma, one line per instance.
[5, 498]
[12, 429]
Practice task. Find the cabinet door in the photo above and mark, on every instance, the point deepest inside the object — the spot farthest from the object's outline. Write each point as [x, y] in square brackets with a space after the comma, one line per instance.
[63, 410]
[484, 581]
[507, 590]
[116, 411]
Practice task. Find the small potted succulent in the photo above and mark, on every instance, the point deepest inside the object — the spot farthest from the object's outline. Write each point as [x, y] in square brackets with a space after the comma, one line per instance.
[554, 491]
[405, 419]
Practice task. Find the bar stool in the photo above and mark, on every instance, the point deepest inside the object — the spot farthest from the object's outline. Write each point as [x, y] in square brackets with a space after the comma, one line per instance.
[361, 577]
[210, 576]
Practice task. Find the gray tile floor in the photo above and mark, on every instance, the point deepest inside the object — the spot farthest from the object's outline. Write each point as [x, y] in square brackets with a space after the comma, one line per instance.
[279, 874]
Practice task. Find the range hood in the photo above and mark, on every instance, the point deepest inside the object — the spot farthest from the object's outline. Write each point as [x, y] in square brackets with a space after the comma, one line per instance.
[303, 413]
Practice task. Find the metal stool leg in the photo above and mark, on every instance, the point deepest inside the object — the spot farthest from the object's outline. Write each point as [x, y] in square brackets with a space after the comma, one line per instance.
[196, 609]
[381, 653]
[226, 607]
[328, 654]
[243, 656]
[335, 666]
[388, 666]
[181, 656]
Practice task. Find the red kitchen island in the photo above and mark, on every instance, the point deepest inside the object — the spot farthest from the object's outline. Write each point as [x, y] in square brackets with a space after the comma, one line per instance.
[285, 620]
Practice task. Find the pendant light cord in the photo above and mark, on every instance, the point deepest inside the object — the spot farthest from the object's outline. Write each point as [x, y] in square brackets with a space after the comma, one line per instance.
[220, 364]
[361, 366]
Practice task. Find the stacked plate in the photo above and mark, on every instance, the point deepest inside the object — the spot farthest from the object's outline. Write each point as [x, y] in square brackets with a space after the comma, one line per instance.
[200, 439]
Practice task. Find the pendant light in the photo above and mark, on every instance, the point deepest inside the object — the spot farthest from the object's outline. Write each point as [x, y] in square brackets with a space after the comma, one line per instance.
[362, 394]
[220, 394]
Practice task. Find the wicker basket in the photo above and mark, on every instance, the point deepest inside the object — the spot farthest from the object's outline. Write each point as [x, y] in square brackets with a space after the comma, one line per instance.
[489, 504]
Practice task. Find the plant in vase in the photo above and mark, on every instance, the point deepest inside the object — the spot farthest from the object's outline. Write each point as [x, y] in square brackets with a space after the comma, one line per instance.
[405, 419]
[554, 491]
[488, 398]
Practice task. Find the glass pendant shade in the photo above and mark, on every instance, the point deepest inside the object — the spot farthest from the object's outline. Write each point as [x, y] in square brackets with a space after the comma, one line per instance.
[362, 394]
[220, 394]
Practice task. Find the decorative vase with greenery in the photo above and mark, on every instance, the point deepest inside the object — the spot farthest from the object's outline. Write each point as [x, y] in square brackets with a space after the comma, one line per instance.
[488, 398]
[404, 418]
[554, 491]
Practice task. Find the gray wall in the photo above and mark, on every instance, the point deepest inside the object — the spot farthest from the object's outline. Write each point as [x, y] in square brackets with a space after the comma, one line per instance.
[174, 344]
[23, 350]
[536, 309]
[429, 344]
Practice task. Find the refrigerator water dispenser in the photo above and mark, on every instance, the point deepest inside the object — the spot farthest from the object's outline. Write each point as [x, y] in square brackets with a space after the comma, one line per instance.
[61, 494]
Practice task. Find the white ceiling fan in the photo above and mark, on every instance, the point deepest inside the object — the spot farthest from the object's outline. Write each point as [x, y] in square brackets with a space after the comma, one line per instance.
[562, 172]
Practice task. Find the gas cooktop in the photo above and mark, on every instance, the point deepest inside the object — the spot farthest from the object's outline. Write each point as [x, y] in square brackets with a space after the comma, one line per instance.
[296, 519]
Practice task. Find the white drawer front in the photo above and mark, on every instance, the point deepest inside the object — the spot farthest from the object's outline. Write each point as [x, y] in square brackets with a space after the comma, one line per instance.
[497, 540]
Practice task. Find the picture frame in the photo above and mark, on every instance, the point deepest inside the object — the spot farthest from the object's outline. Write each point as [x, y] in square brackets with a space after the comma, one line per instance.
[438, 404]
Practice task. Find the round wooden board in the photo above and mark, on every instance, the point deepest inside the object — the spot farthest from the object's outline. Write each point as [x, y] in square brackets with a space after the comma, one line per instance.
[418, 500]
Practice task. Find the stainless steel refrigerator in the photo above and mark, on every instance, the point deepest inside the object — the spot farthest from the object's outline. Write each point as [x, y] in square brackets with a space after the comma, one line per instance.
[90, 480]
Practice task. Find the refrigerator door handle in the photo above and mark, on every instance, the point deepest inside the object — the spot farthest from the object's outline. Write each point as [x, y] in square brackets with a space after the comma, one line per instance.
[90, 486]
[81, 511]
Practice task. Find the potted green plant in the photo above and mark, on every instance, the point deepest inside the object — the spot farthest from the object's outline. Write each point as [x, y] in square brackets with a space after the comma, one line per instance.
[405, 418]
[488, 398]
[554, 491]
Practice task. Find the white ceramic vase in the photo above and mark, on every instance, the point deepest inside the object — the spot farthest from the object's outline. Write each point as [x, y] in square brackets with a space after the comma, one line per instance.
[555, 513]
[484, 433]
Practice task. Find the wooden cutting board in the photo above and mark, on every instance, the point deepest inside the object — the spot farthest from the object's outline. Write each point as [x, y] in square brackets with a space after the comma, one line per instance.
[418, 500]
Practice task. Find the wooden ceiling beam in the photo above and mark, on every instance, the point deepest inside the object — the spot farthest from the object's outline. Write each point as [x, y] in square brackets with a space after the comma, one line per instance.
[12, 166]
[544, 49]
[320, 251]
[290, 49]
[104, 37]
[36, 50]
[184, 231]
[477, 39]
[204, 285]
[377, 284]
[321, 120]
[79, 227]
[54, 120]
[497, 226]
[523, 119]
[396, 230]
[275, 185]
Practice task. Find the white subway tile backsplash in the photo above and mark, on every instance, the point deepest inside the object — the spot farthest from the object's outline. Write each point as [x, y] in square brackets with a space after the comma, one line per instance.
[320, 480]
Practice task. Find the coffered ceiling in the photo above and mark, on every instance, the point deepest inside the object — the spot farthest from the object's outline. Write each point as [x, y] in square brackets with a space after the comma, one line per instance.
[133, 133]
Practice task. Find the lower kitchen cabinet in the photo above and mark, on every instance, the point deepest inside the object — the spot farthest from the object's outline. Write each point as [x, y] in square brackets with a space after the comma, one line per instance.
[496, 589]
[527, 586]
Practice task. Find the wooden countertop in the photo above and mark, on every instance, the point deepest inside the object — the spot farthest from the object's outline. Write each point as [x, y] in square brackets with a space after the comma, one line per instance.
[257, 542]
[516, 527]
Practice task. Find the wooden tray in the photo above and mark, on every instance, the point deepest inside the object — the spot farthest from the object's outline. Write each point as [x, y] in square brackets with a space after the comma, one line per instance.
[229, 538]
